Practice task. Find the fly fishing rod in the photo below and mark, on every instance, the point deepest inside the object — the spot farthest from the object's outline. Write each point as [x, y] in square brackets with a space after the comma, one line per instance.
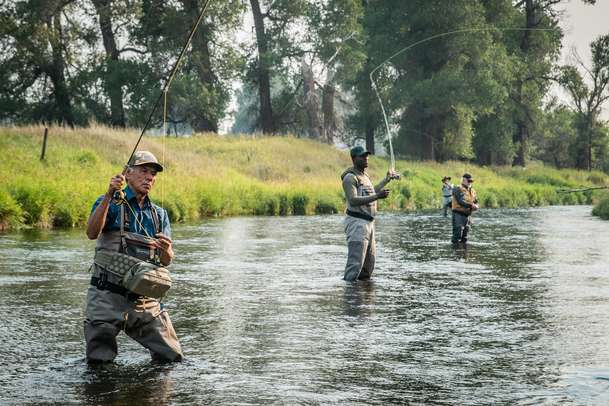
[119, 195]
[401, 51]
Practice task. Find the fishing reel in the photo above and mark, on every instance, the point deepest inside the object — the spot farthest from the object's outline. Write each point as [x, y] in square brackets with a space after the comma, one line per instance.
[118, 197]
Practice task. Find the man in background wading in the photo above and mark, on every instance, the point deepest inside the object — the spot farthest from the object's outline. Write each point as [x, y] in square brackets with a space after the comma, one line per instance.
[464, 203]
[361, 198]
[110, 306]
[447, 194]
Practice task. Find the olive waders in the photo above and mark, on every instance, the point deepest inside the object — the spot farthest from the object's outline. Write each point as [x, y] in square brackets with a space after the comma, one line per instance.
[111, 308]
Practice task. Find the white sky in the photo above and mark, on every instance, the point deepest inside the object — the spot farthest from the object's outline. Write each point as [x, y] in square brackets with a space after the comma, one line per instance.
[583, 23]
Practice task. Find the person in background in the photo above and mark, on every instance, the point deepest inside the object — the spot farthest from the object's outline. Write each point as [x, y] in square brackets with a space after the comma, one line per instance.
[464, 203]
[447, 194]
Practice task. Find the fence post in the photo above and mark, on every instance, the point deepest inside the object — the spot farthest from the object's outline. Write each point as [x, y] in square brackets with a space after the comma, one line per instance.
[44, 143]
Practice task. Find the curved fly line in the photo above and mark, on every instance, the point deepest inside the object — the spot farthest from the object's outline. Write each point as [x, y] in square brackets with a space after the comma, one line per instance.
[403, 50]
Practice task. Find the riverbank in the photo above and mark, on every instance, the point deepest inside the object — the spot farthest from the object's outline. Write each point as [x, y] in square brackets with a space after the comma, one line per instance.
[210, 175]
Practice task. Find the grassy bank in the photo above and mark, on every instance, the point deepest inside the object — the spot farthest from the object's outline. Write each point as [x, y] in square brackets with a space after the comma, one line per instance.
[224, 176]
[601, 207]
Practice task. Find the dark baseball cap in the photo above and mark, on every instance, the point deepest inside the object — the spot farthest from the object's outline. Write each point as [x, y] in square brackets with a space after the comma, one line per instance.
[145, 158]
[468, 176]
[359, 151]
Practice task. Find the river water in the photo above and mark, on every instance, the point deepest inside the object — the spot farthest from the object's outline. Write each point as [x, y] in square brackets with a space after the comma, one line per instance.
[520, 317]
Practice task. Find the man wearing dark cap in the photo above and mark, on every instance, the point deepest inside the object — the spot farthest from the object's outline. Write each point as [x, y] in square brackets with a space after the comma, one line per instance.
[447, 194]
[361, 197]
[464, 203]
[129, 231]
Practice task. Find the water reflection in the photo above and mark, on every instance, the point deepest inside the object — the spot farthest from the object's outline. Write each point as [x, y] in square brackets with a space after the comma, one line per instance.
[518, 316]
[113, 384]
[359, 298]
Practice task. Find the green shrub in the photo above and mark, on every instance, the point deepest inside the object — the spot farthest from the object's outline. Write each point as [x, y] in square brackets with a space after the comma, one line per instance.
[266, 204]
[299, 203]
[36, 202]
[326, 205]
[546, 179]
[11, 214]
[601, 209]
[284, 204]
[489, 200]
[405, 191]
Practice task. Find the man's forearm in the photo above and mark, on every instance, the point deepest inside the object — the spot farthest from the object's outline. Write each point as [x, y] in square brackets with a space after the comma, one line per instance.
[361, 200]
[97, 219]
[381, 184]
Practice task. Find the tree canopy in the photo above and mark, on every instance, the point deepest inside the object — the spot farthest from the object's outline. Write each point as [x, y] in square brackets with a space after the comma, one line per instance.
[475, 85]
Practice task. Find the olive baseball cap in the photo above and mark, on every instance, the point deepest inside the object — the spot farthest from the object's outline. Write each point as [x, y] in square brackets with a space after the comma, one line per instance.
[358, 151]
[145, 158]
[468, 176]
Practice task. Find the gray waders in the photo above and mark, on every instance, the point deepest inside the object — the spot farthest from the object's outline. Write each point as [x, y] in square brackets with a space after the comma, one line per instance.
[362, 248]
[461, 226]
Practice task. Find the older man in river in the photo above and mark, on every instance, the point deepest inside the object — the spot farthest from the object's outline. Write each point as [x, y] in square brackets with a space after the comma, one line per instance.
[361, 197]
[124, 230]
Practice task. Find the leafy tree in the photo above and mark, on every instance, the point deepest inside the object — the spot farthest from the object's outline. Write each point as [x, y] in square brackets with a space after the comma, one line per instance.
[588, 100]
[35, 61]
[441, 87]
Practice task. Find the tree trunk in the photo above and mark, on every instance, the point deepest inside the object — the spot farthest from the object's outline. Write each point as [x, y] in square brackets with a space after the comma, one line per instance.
[113, 80]
[369, 111]
[522, 135]
[311, 102]
[521, 142]
[56, 70]
[329, 92]
[201, 59]
[263, 75]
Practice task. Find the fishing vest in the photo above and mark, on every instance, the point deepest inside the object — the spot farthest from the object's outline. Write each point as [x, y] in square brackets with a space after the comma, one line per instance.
[133, 259]
[469, 195]
[364, 187]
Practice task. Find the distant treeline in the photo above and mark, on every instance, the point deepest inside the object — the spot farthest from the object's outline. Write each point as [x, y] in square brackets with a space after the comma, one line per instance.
[212, 175]
[304, 68]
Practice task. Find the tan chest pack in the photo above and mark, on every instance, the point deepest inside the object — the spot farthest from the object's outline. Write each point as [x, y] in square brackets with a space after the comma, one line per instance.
[135, 260]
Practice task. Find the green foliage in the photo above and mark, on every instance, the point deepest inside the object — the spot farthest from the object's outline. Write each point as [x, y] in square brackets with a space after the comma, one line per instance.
[222, 176]
[299, 203]
[11, 213]
[601, 209]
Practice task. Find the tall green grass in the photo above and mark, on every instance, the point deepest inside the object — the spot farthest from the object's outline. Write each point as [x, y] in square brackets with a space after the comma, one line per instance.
[210, 175]
[601, 208]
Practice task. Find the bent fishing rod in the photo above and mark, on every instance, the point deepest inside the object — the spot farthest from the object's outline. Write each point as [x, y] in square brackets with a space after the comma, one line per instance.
[119, 195]
[401, 51]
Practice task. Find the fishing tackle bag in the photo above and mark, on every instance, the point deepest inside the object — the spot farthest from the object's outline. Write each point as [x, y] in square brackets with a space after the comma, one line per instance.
[134, 259]
[140, 277]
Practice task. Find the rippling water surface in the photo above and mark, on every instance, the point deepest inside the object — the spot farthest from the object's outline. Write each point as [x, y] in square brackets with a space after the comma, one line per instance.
[520, 317]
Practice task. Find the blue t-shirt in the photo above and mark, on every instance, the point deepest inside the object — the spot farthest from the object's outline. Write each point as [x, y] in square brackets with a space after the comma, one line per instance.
[144, 215]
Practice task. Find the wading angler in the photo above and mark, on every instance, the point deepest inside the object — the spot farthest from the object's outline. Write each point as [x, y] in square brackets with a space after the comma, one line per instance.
[128, 275]
[361, 197]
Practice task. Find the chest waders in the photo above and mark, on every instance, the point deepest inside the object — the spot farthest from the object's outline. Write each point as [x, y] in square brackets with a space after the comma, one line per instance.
[361, 244]
[132, 258]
